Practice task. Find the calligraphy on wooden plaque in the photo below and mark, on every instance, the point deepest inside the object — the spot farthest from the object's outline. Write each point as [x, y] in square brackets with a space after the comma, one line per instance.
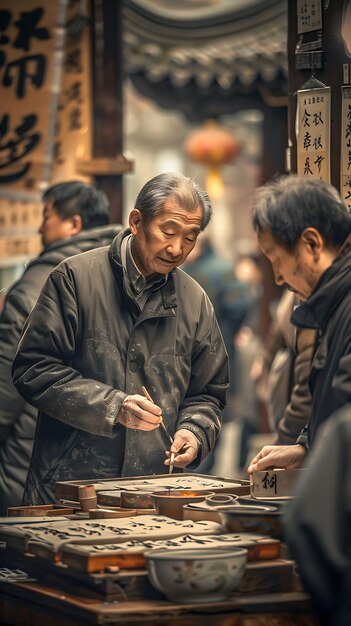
[313, 133]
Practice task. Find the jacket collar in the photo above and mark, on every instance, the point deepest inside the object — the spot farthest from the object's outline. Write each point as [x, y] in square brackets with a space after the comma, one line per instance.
[168, 291]
[85, 240]
[331, 288]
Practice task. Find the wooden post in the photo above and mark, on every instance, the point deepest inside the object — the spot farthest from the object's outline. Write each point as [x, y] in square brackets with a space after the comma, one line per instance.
[108, 163]
[275, 141]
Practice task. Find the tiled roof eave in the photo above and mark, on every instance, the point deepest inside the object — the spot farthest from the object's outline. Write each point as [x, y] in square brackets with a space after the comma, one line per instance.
[245, 57]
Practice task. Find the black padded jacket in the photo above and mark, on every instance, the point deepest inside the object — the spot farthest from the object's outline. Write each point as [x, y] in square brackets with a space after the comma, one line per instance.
[18, 417]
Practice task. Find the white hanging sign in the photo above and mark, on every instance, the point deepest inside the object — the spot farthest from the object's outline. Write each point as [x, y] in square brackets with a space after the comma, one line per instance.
[313, 133]
[309, 15]
[345, 165]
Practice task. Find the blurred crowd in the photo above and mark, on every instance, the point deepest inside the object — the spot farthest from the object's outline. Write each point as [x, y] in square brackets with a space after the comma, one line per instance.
[260, 369]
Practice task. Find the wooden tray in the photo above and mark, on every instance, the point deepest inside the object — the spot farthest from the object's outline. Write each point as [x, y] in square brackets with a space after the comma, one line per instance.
[130, 555]
[68, 490]
[260, 577]
[33, 603]
[118, 512]
[46, 540]
[39, 510]
[12, 521]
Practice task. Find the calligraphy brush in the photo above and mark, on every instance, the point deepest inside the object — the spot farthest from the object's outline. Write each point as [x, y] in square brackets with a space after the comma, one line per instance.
[148, 397]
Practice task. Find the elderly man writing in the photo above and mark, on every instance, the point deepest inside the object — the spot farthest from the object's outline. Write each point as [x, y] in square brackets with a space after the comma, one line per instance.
[111, 321]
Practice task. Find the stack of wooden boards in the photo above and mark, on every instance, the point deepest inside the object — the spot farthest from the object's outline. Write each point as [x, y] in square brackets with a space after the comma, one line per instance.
[102, 547]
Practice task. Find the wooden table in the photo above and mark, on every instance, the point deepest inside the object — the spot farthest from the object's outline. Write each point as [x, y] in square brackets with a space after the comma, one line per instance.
[34, 604]
[58, 596]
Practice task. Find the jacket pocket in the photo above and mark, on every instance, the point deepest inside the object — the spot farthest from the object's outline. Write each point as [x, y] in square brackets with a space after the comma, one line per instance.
[60, 460]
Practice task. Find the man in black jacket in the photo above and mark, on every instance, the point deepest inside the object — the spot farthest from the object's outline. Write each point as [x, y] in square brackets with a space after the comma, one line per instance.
[304, 228]
[75, 219]
[111, 321]
[318, 521]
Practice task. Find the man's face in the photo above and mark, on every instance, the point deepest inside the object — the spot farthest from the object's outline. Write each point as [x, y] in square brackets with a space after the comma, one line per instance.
[53, 227]
[298, 270]
[167, 240]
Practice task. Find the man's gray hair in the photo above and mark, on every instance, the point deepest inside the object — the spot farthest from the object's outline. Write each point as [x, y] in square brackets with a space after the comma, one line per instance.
[290, 204]
[152, 197]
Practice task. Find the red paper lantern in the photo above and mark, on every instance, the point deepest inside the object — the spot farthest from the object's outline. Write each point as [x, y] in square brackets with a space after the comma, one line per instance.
[213, 146]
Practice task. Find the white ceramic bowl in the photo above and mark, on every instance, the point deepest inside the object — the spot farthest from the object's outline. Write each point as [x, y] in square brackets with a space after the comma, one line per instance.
[198, 574]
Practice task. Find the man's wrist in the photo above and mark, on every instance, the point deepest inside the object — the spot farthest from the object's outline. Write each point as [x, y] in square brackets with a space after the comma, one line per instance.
[198, 457]
[118, 416]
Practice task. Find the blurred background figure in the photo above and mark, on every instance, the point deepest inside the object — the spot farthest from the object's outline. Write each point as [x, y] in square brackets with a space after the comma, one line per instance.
[248, 345]
[281, 369]
[231, 300]
[286, 370]
[318, 522]
[75, 219]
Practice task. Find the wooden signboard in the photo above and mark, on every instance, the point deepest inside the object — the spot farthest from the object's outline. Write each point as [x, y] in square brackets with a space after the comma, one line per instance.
[31, 37]
[74, 117]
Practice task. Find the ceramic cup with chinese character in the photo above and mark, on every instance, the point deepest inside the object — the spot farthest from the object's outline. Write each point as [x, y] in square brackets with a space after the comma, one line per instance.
[274, 483]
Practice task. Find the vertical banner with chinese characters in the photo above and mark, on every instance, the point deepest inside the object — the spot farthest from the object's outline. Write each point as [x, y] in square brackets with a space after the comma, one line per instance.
[313, 133]
[30, 35]
[73, 126]
[31, 41]
[345, 166]
[309, 15]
